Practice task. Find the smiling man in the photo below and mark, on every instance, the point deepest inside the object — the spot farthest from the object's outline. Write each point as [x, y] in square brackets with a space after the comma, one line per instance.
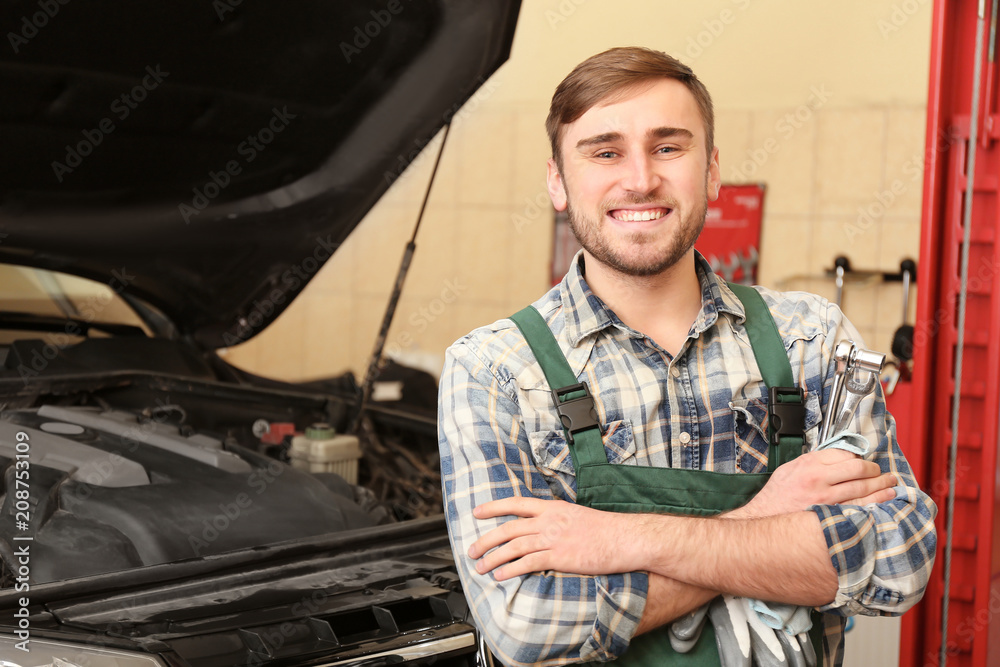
[609, 478]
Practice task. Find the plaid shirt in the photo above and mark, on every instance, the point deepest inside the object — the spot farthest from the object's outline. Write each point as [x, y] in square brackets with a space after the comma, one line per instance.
[704, 408]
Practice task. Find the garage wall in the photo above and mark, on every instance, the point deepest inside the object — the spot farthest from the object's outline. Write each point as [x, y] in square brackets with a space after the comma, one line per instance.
[823, 102]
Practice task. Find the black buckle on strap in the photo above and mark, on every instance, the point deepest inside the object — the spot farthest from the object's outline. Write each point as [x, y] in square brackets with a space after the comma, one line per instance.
[576, 414]
[786, 409]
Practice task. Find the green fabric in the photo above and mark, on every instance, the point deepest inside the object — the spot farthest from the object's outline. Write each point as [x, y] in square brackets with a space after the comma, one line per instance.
[654, 649]
[586, 447]
[768, 348]
[624, 488]
[772, 361]
[627, 488]
[543, 345]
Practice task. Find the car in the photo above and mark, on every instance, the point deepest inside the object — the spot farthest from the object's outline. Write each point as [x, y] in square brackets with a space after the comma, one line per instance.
[173, 174]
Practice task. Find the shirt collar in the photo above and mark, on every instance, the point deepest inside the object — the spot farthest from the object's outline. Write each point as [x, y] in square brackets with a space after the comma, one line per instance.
[587, 314]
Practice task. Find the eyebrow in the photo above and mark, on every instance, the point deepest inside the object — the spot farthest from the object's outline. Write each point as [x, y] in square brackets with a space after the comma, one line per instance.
[655, 133]
[668, 132]
[606, 138]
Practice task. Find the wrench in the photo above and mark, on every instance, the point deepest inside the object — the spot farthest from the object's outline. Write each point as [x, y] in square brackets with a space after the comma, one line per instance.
[843, 355]
[862, 361]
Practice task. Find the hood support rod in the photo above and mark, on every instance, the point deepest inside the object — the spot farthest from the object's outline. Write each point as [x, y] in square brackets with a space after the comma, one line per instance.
[375, 364]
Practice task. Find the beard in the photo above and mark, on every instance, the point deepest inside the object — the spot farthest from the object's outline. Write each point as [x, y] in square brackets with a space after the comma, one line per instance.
[639, 253]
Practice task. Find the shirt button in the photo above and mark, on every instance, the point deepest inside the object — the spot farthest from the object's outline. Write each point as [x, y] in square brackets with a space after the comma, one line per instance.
[685, 438]
[676, 372]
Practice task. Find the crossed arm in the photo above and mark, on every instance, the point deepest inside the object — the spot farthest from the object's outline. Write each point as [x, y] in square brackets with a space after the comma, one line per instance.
[692, 559]
[532, 604]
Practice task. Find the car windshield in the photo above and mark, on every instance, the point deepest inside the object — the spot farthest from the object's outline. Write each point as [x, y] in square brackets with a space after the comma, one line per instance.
[37, 300]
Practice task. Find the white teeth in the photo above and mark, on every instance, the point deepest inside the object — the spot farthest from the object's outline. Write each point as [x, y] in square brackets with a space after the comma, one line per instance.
[635, 216]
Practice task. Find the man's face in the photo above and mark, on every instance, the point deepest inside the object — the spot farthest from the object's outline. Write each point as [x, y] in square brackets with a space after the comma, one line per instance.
[636, 178]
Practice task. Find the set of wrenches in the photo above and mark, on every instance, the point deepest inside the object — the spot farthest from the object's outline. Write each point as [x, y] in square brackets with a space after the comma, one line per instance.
[857, 375]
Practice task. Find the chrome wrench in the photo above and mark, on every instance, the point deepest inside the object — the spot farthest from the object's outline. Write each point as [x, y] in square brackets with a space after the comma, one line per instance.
[862, 362]
[842, 355]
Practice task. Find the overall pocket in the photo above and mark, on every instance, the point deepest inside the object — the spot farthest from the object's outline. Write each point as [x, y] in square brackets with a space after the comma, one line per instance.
[551, 451]
[750, 430]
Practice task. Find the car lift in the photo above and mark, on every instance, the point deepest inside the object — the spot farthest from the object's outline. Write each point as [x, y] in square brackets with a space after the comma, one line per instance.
[956, 371]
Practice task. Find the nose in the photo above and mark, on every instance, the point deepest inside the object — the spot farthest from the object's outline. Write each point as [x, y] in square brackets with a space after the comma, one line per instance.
[640, 174]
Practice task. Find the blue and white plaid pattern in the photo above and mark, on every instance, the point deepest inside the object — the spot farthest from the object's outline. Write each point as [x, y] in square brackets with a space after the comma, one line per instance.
[705, 408]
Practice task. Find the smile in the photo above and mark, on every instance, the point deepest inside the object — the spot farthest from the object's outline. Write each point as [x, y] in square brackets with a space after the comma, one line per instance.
[626, 215]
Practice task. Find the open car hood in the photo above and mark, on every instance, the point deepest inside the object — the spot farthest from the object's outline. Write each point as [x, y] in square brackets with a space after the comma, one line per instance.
[208, 157]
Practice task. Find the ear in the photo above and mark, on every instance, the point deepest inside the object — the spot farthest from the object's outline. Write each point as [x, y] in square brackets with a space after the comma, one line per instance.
[714, 176]
[556, 187]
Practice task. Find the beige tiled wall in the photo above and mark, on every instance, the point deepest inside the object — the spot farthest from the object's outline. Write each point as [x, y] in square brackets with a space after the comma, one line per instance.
[828, 197]
[821, 102]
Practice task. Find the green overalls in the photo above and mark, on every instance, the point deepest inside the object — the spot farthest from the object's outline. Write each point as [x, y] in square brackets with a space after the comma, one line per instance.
[621, 488]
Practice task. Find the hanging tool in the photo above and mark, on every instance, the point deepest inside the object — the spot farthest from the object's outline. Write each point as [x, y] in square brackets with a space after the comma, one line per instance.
[841, 266]
[901, 366]
[902, 340]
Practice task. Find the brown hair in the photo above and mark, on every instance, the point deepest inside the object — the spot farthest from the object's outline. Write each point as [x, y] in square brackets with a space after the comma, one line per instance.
[600, 77]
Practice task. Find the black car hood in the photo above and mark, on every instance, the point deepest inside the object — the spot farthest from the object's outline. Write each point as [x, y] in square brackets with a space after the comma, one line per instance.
[208, 157]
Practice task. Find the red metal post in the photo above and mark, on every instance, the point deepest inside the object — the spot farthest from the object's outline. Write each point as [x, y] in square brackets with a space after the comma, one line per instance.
[974, 595]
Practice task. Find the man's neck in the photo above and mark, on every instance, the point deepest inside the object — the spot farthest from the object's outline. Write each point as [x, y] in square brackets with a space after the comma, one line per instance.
[663, 306]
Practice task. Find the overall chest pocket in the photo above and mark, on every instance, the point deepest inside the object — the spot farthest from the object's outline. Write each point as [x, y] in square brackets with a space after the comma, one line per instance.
[750, 430]
[750, 434]
[551, 451]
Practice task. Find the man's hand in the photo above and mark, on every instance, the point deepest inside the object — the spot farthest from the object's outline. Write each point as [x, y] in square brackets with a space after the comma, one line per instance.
[826, 477]
[565, 537]
[553, 535]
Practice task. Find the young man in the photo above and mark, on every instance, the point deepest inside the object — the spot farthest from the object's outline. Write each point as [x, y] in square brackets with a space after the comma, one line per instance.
[664, 347]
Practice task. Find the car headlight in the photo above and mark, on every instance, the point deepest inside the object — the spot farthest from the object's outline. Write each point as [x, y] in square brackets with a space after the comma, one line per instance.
[46, 653]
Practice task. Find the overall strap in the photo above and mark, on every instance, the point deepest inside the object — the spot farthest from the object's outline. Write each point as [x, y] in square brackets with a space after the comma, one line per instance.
[786, 401]
[574, 402]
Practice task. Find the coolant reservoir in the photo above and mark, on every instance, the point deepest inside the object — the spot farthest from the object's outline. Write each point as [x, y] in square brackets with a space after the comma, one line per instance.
[322, 450]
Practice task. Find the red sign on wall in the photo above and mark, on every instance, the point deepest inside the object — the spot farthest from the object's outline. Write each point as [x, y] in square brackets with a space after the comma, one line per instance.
[730, 240]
